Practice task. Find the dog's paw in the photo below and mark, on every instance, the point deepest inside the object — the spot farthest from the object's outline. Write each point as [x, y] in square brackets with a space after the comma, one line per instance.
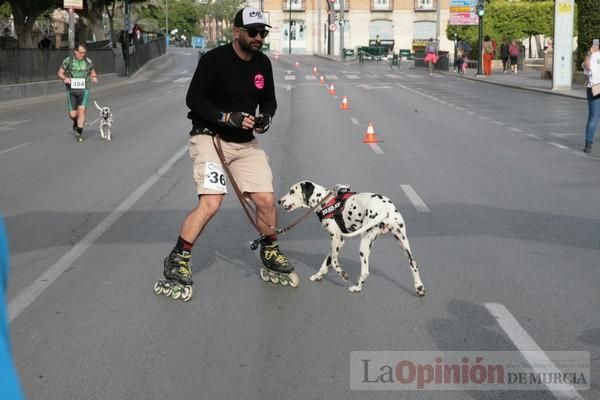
[315, 278]
[343, 274]
[354, 289]
[421, 291]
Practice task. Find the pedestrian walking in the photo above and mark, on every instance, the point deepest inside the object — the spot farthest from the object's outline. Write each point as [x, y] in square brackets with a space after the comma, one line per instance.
[431, 56]
[504, 55]
[76, 71]
[488, 55]
[230, 82]
[514, 50]
[10, 387]
[591, 68]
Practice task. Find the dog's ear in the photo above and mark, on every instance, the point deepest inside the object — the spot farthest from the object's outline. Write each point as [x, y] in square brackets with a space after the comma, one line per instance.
[307, 190]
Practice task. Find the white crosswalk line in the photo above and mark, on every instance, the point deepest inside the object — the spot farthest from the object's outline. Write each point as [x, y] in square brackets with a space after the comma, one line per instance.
[331, 77]
[352, 76]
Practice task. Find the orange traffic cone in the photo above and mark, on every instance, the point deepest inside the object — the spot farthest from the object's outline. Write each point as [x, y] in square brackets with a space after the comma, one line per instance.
[345, 105]
[370, 136]
[331, 89]
[322, 80]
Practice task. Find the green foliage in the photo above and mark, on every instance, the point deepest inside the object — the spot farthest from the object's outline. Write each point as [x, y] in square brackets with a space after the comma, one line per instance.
[5, 10]
[588, 21]
[510, 20]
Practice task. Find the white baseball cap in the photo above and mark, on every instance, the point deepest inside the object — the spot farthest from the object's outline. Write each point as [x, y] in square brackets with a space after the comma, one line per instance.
[250, 17]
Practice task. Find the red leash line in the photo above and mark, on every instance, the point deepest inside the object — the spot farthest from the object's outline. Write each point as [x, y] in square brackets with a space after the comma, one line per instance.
[244, 201]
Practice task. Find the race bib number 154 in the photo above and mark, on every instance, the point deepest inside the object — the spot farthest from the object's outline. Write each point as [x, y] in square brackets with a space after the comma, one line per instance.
[214, 177]
[77, 83]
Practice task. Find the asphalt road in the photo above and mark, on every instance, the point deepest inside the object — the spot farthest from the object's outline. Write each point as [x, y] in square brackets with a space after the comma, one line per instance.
[500, 203]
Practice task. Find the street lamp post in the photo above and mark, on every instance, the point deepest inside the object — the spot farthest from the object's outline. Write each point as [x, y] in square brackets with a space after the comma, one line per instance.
[480, 13]
[167, 22]
[290, 28]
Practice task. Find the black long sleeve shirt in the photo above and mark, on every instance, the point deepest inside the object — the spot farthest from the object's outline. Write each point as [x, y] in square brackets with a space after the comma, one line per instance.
[225, 83]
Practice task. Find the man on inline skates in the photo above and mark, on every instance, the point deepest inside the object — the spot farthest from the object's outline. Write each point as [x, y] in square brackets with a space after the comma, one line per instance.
[229, 84]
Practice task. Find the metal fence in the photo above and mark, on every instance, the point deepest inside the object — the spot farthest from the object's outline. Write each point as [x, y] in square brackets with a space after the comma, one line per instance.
[142, 53]
[34, 65]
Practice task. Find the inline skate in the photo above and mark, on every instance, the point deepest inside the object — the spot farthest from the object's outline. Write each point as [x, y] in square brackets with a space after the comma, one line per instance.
[277, 268]
[178, 277]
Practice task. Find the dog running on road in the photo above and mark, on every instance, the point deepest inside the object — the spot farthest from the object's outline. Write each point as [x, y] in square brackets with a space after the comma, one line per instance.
[350, 214]
[106, 121]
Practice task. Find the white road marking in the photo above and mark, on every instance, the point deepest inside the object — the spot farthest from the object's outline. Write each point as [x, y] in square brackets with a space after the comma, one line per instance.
[530, 349]
[394, 76]
[352, 76]
[471, 112]
[512, 128]
[10, 125]
[310, 77]
[375, 147]
[414, 198]
[331, 77]
[182, 79]
[498, 123]
[14, 148]
[483, 117]
[533, 136]
[561, 135]
[290, 77]
[354, 121]
[558, 145]
[27, 296]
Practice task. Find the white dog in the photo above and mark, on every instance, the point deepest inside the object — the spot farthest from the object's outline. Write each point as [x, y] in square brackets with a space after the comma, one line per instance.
[106, 121]
[348, 214]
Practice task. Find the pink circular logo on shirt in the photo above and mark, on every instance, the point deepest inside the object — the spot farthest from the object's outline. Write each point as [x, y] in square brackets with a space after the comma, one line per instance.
[259, 81]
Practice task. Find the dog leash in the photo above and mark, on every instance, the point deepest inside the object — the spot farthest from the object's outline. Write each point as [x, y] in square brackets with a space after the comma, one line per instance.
[248, 209]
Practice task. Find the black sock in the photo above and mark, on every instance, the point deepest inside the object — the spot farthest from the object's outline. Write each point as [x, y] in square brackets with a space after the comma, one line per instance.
[183, 246]
[269, 240]
[79, 130]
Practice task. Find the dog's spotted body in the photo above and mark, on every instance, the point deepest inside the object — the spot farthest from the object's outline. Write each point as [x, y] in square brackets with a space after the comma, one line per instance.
[367, 214]
[106, 121]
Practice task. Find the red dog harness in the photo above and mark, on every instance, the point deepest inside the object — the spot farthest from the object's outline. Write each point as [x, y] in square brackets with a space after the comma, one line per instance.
[334, 207]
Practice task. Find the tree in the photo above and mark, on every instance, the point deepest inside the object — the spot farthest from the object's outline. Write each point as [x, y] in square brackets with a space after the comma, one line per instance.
[588, 22]
[511, 20]
[25, 12]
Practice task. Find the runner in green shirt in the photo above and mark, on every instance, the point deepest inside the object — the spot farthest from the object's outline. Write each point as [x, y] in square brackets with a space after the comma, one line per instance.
[76, 72]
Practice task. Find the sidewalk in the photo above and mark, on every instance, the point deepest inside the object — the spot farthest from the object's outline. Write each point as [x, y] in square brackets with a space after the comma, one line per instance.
[526, 80]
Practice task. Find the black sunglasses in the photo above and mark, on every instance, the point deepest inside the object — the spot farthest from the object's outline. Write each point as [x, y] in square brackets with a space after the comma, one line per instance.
[253, 32]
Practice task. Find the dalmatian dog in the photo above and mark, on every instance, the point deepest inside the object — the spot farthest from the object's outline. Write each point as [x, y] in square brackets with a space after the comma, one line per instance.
[106, 121]
[348, 214]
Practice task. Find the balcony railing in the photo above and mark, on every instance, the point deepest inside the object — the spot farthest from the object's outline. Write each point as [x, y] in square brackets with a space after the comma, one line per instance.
[382, 5]
[295, 5]
[426, 5]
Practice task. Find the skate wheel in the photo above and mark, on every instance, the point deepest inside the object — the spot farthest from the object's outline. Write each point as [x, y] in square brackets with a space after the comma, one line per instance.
[158, 287]
[186, 294]
[294, 280]
[167, 291]
[264, 275]
[176, 293]
[284, 280]
[274, 278]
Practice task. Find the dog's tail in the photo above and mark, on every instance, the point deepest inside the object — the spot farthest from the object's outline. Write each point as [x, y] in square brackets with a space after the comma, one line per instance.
[97, 106]
[368, 226]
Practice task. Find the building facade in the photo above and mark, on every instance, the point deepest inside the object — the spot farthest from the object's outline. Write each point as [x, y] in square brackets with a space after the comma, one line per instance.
[304, 25]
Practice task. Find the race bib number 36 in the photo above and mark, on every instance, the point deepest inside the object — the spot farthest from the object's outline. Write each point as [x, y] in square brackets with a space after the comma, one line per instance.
[214, 177]
[77, 83]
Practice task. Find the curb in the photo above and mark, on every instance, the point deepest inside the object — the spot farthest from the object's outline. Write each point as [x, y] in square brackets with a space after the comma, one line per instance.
[525, 88]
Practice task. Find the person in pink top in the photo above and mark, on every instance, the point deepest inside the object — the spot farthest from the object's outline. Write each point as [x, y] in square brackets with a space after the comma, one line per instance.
[513, 52]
